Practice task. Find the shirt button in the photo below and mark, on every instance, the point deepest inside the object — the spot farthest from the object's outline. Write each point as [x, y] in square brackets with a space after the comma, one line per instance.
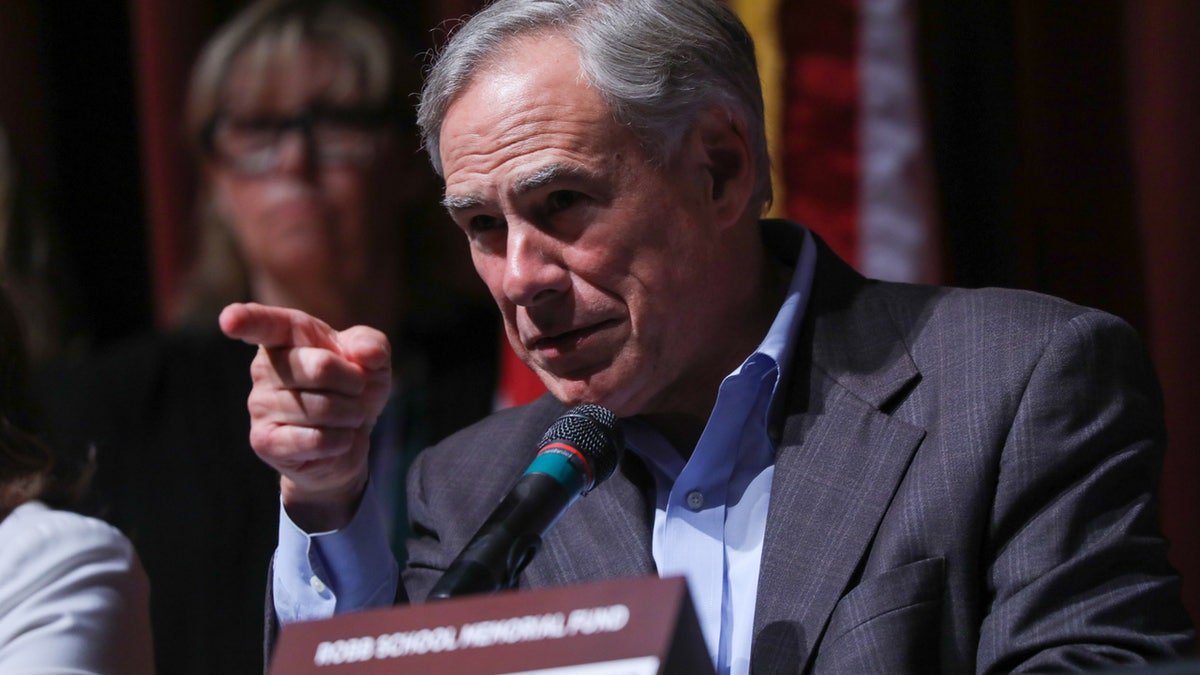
[316, 584]
[695, 500]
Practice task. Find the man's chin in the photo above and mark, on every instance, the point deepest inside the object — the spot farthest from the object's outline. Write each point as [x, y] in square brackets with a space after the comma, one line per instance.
[573, 392]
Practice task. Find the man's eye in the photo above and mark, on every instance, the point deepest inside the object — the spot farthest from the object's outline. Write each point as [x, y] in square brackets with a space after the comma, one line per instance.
[563, 199]
[482, 223]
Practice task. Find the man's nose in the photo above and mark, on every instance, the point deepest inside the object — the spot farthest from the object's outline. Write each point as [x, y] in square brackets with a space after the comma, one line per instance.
[534, 270]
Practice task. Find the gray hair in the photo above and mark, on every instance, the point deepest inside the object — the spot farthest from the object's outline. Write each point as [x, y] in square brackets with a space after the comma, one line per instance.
[656, 63]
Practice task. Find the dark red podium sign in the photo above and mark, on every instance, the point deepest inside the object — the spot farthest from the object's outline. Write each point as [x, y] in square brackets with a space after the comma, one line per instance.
[641, 626]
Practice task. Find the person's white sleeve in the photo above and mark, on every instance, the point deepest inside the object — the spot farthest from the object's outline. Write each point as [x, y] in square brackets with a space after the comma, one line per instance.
[73, 596]
[321, 574]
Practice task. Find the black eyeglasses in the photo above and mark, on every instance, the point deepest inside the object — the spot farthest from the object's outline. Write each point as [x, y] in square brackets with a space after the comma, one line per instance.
[337, 136]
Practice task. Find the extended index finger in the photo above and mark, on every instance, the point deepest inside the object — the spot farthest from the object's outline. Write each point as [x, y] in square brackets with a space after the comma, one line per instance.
[276, 327]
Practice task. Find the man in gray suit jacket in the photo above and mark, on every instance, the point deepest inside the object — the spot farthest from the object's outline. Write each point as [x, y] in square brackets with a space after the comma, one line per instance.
[853, 476]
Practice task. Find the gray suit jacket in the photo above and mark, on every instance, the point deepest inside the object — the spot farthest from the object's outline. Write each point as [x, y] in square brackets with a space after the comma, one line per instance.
[965, 481]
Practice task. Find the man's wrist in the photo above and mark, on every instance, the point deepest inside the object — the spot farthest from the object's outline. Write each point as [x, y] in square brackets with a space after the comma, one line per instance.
[321, 511]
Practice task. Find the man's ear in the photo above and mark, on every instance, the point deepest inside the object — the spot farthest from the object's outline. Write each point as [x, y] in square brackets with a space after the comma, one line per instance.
[722, 148]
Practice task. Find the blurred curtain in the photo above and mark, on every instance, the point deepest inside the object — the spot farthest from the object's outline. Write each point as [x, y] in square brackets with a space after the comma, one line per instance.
[65, 98]
[1164, 100]
[167, 38]
[23, 104]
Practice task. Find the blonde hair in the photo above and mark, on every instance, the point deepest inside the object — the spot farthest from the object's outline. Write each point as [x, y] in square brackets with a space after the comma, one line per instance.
[271, 32]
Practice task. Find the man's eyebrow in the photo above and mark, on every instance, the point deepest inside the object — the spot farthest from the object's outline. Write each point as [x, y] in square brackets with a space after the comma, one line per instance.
[454, 203]
[523, 185]
[546, 175]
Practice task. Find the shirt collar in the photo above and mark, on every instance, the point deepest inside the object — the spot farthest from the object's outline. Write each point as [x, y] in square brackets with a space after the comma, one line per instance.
[791, 243]
[794, 245]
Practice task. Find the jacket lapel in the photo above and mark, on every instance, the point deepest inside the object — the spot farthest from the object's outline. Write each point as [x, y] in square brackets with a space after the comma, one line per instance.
[838, 463]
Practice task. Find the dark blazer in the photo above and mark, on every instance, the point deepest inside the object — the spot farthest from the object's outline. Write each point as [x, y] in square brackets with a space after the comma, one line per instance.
[965, 481]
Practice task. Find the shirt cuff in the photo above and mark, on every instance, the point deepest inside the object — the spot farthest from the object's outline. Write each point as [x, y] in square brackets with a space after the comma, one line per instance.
[325, 573]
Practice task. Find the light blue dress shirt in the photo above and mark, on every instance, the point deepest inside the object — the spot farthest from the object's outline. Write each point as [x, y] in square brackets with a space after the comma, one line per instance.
[710, 514]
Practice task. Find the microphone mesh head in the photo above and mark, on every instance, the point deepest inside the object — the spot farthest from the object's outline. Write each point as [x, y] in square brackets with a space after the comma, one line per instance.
[593, 431]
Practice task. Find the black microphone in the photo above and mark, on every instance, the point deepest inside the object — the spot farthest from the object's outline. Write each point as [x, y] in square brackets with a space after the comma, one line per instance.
[577, 453]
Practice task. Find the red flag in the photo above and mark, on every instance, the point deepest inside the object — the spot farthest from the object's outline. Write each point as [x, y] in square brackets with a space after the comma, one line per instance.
[855, 154]
[517, 383]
